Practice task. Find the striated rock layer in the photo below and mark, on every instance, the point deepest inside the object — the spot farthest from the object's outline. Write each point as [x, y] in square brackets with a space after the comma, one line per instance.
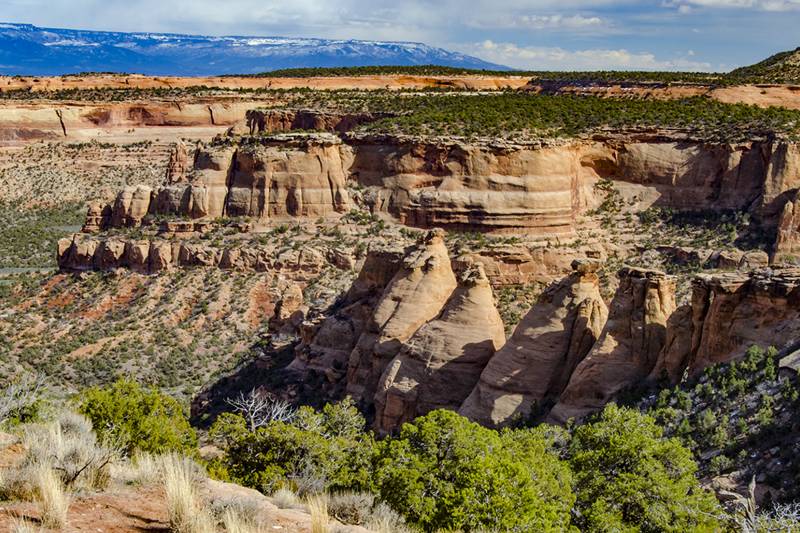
[546, 346]
[537, 189]
[732, 312]
[440, 364]
[628, 348]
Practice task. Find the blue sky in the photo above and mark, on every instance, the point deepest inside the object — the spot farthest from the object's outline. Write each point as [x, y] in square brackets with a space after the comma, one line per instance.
[534, 34]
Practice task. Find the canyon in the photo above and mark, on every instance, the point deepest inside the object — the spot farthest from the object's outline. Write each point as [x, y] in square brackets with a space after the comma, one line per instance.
[510, 280]
[419, 328]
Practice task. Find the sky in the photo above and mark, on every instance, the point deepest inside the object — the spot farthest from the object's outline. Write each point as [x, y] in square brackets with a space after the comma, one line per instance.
[715, 35]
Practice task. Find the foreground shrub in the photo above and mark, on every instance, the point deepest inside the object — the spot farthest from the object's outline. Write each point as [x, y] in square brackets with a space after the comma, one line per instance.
[186, 511]
[445, 472]
[629, 478]
[138, 418]
[313, 453]
[52, 498]
[68, 447]
[363, 509]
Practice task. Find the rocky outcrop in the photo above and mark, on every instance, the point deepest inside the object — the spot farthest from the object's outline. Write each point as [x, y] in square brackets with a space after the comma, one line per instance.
[540, 189]
[131, 206]
[471, 187]
[283, 120]
[81, 253]
[628, 348]
[733, 311]
[290, 177]
[546, 346]
[179, 164]
[328, 340]
[441, 363]
[787, 238]
[415, 295]
[98, 218]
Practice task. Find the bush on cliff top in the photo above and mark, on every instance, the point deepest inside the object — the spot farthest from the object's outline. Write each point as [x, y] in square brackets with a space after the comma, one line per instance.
[137, 418]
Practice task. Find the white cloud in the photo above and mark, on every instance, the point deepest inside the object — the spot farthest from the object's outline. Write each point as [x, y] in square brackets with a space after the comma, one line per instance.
[554, 58]
[685, 6]
[541, 22]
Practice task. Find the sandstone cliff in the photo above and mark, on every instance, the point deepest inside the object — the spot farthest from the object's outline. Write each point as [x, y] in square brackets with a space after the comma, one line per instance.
[328, 340]
[440, 364]
[628, 348]
[732, 312]
[415, 295]
[545, 348]
[288, 177]
[540, 190]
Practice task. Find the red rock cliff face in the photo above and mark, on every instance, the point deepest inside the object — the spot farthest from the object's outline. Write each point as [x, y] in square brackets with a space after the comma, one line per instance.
[545, 348]
[628, 348]
[538, 190]
[415, 295]
[732, 312]
[459, 186]
[327, 343]
[440, 364]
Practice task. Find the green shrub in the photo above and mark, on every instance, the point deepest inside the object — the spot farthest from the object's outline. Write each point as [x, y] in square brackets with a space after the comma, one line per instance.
[629, 478]
[138, 418]
[314, 452]
[445, 472]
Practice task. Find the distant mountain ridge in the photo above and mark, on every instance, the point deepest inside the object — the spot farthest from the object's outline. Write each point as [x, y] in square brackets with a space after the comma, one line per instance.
[29, 50]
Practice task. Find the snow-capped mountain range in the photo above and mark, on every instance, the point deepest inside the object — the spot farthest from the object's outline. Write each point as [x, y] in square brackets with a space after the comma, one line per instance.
[33, 51]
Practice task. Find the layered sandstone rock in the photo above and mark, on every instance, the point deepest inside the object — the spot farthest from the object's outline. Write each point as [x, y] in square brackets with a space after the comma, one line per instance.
[467, 187]
[98, 218]
[546, 346]
[131, 206]
[328, 341]
[415, 295]
[787, 239]
[82, 252]
[673, 358]
[732, 312]
[441, 363]
[539, 189]
[179, 164]
[293, 177]
[283, 120]
[628, 348]
[270, 182]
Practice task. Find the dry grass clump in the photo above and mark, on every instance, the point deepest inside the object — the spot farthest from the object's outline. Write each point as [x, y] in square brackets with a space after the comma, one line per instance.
[69, 448]
[53, 500]
[241, 518]
[318, 508]
[361, 509]
[186, 511]
[143, 469]
[21, 525]
[286, 499]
